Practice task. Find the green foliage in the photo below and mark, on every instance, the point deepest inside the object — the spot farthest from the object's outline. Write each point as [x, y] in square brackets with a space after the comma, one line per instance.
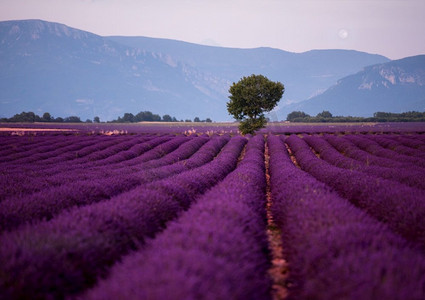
[167, 118]
[326, 116]
[72, 119]
[147, 116]
[47, 117]
[250, 98]
[297, 115]
[143, 116]
[30, 117]
[128, 118]
[410, 116]
[25, 117]
[250, 125]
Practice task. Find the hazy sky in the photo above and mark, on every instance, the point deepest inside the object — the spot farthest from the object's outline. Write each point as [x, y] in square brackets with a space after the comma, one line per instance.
[394, 28]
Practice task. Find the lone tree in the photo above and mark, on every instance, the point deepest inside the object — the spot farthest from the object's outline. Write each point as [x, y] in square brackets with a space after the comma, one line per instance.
[250, 98]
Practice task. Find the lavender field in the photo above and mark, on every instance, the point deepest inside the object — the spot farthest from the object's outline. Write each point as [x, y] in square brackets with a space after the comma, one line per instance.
[205, 213]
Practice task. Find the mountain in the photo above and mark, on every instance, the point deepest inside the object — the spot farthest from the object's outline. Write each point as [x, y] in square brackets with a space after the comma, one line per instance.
[396, 86]
[47, 66]
[303, 74]
[50, 67]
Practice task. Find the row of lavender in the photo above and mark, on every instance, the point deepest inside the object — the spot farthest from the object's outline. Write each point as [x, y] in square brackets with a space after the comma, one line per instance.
[216, 250]
[384, 193]
[380, 264]
[336, 250]
[84, 180]
[67, 252]
[67, 239]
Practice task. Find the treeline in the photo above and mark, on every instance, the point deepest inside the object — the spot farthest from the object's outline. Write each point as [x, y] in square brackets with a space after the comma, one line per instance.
[326, 116]
[30, 117]
[143, 116]
[147, 116]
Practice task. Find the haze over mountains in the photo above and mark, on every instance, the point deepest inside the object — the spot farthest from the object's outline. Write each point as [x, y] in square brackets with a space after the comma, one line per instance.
[396, 86]
[49, 67]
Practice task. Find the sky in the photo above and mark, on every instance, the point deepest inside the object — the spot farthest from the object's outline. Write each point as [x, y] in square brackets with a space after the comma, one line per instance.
[393, 28]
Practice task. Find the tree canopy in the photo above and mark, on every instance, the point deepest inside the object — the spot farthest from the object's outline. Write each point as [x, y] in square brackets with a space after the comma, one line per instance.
[326, 116]
[293, 116]
[250, 98]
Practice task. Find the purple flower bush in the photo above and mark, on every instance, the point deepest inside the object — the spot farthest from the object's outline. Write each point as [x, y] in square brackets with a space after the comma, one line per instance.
[407, 176]
[49, 175]
[390, 202]
[375, 148]
[335, 250]
[49, 202]
[215, 250]
[396, 146]
[349, 149]
[65, 255]
[412, 141]
[156, 215]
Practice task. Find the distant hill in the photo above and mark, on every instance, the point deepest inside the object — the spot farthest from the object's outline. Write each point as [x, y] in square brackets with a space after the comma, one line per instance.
[303, 74]
[396, 86]
[49, 67]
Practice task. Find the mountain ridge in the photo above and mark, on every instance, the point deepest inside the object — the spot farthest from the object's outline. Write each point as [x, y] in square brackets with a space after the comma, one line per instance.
[48, 66]
[396, 86]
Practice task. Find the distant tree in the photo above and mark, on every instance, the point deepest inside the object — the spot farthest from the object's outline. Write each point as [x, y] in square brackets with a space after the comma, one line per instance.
[196, 119]
[89, 121]
[188, 120]
[324, 114]
[156, 118]
[250, 98]
[382, 115]
[167, 118]
[72, 119]
[297, 115]
[59, 120]
[208, 120]
[46, 117]
[25, 117]
[96, 119]
[128, 118]
[143, 116]
[147, 116]
[174, 119]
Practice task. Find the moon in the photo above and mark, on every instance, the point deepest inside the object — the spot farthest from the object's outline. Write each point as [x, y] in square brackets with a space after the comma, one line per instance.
[343, 34]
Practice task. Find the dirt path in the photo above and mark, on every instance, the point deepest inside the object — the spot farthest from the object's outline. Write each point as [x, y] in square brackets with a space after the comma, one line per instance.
[279, 269]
